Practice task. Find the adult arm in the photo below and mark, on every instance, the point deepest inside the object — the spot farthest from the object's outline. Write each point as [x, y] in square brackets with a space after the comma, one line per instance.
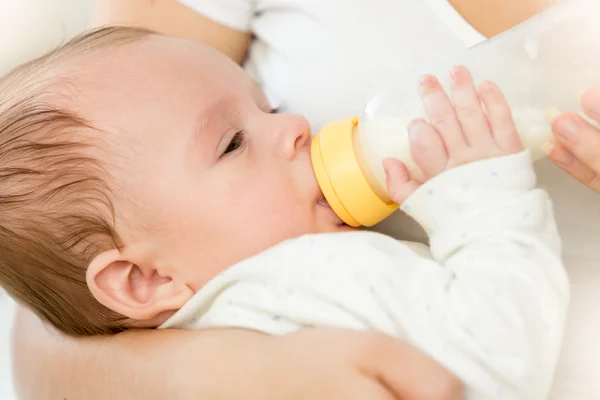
[169, 17]
[223, 364]
[491, 17]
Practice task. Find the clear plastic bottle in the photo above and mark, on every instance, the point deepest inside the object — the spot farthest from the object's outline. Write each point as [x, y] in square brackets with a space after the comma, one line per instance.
[542, 66]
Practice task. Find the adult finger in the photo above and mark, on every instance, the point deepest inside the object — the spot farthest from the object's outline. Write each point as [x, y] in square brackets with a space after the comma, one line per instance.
[581, 139]
[440, 111]
[590, 102]
[407, 372]
[578, 170]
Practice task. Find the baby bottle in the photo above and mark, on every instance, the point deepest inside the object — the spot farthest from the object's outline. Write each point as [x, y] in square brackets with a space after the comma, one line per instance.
[542, 66]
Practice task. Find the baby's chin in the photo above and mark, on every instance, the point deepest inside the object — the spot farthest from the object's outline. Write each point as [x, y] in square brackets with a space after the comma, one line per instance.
[331, 222]
[341, 226]
[345, 228]
[337, 226]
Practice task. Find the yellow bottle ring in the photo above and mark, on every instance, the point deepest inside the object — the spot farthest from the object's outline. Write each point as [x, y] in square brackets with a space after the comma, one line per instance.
[341, 179]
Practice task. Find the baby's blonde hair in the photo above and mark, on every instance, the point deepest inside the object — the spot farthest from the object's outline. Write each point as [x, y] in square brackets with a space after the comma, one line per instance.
[56, 211]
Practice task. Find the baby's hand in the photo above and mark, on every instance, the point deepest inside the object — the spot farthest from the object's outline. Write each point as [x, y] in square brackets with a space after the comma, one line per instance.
[458, 133]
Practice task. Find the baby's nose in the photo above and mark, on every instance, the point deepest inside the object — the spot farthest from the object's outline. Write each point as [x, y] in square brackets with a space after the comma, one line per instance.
[295, 136]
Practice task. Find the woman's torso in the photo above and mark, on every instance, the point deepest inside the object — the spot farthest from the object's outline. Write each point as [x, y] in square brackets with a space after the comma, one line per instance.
[322, 58]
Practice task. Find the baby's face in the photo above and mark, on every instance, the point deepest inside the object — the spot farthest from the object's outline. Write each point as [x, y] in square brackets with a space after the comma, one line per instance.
[207, 175]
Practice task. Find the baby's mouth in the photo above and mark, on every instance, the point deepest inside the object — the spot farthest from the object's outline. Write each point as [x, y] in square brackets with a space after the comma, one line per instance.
[324, 203]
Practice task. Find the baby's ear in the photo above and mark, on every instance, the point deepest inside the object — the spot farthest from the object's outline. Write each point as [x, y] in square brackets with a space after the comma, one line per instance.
[135, 291]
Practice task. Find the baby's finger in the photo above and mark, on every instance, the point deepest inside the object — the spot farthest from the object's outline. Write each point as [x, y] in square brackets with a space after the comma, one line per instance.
[427, 148]
[578, 170]
[399, 183]
[440, 111]
[581, 139]
[500, 118]
[469, 110]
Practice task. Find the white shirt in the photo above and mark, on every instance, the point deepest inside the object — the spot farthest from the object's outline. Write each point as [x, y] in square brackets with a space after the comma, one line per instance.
[322, 58]
[315, 54]
[489, 302]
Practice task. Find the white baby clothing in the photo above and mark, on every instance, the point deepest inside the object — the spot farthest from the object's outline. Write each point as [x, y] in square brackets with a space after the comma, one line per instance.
[488, 301]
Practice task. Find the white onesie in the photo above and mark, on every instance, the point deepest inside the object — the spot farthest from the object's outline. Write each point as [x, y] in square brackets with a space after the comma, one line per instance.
[488, 301]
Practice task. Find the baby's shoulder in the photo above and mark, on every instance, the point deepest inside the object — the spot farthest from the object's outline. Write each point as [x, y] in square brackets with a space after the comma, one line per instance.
[351, 262]
[357, 248]
[342, 242]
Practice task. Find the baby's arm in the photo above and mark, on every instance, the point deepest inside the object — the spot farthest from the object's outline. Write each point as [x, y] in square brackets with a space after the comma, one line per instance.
[499, 307]
[495, 309]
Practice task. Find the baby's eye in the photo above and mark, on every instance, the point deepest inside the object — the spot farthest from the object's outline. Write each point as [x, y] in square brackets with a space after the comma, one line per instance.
[235, 143]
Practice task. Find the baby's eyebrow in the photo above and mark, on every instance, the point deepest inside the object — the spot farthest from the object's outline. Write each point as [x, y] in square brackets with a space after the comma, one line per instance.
[207, 117]
[210, 122]
[216, 112]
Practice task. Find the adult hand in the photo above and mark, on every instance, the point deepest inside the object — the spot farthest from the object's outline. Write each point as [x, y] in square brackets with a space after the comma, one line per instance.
[339, 364]
[577, 150]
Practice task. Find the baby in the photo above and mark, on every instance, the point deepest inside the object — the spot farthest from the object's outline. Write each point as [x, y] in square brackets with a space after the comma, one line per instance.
[145, 182]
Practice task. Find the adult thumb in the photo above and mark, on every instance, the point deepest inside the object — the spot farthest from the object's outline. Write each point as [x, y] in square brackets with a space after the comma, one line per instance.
[410, 374]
